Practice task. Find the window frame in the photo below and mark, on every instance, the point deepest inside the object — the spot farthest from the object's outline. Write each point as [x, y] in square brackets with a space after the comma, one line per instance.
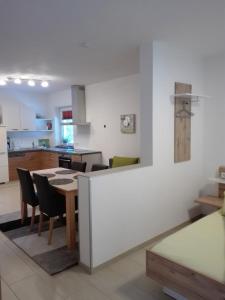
[62, 123]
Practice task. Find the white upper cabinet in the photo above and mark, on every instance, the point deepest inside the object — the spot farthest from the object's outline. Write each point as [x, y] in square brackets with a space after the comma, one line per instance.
[17, 116]
[11, 115]
[27, 116]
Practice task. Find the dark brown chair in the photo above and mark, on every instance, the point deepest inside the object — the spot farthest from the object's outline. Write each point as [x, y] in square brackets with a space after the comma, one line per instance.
[28, 194]
[79, 166]
[65, 162]
[98, 167]
[110, 162]
[52, 204]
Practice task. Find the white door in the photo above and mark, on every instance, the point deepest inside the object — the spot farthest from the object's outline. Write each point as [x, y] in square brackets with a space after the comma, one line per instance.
[27, 116]
[3, 140]
[4, 174]
[4, 171]
[11, 115]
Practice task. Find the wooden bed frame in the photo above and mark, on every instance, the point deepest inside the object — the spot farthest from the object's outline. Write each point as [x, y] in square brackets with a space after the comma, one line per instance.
[182, 280]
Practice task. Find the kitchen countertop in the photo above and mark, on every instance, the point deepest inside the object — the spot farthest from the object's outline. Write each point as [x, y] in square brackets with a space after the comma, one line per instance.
[54, 149]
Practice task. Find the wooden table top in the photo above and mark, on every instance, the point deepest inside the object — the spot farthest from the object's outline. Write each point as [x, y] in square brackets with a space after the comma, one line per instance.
[70, 187]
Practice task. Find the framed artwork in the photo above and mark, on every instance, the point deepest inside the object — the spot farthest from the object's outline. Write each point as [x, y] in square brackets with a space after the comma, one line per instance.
[128, 123]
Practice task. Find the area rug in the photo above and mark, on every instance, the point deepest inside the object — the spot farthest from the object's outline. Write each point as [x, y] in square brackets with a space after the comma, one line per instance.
[52, 258]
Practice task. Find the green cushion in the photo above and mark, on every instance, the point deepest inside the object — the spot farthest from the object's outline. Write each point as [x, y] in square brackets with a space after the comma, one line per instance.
[119, 161]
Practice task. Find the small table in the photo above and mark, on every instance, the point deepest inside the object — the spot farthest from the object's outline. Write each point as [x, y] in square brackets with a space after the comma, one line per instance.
[69, 191]
[210, 200]
[221, 185]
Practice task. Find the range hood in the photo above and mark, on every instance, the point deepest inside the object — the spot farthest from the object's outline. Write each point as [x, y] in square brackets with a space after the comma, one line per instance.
[79, 105]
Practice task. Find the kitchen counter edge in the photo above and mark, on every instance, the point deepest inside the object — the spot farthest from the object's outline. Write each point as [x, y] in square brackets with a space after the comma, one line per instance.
[12, 153]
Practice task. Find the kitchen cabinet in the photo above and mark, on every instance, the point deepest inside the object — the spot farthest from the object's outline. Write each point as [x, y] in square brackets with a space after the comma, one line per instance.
[27, 118]
[18, 116]
[11, 116]
[26, 160]
[42, 159]
[34, 160]
[49, 160]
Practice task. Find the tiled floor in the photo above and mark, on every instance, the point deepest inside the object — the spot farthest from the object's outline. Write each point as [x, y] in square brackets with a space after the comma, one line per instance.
[9, 198]
[23, 279]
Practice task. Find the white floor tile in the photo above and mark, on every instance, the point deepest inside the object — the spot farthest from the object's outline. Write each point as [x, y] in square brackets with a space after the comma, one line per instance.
[12, 267]
[7, 293]
[35, 288]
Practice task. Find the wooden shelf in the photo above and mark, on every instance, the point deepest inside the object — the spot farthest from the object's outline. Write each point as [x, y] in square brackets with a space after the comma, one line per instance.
[190, 96]
[210, 200]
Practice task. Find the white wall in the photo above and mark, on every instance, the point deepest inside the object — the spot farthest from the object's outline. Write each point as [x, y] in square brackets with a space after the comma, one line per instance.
[36, 101]
[214, 117]
[146, 101]
[129, 207]
[106, 101]
[55, 101]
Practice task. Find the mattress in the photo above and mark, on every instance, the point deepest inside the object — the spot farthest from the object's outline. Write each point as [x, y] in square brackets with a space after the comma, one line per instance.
[199, 247]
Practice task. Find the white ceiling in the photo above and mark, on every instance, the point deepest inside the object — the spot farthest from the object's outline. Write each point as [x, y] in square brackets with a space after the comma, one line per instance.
[87, 41]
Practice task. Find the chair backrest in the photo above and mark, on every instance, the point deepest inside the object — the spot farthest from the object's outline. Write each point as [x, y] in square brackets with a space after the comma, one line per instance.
[27, 187]
[110, 162]
[79, 166]
[65, 162]
[98, 167]
[45, 193]
[122, 161]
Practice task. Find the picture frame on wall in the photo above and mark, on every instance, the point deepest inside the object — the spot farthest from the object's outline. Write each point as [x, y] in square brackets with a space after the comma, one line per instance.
[128, 123]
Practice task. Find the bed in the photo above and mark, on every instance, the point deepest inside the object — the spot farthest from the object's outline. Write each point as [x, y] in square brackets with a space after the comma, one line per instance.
[191, 262]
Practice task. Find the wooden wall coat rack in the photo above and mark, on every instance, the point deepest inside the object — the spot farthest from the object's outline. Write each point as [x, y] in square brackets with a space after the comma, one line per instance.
[182, 123]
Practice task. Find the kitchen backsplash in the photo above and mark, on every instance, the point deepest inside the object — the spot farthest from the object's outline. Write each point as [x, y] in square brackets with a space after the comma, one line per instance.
[25, 139]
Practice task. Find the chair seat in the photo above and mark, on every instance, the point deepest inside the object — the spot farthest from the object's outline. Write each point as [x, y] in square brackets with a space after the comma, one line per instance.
[35, 201]
[59, 206]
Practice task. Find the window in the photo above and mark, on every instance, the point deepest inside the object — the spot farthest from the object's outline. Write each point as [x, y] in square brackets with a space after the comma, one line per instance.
[66, 118]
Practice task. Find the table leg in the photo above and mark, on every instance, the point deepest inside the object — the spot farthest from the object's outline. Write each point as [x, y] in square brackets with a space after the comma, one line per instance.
[23, 208]
[70, 220]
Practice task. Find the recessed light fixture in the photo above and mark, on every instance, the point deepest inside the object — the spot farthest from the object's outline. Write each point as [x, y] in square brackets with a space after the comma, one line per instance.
[3, 82]
[44, 84]
[31, 83]
[17, 81]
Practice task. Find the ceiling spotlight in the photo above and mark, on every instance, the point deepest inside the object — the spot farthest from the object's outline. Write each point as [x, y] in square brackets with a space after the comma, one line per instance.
[2, 82]
[17, 81]
[31, 82]
[44, 84]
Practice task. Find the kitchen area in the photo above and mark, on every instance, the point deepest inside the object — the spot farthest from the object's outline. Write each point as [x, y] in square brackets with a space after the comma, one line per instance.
[28, 138]
[49, 141]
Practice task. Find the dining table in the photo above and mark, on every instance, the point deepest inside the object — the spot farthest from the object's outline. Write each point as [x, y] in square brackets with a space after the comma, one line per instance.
[69, 190]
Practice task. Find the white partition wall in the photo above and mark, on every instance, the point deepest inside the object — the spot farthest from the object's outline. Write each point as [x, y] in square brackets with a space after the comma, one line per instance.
[130, 206]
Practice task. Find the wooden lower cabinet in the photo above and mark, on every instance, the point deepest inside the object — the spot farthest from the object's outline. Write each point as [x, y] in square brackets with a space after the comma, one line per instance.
[26, 160]
[76, 157]
[32, 161]
[49, 160]
[38, 160]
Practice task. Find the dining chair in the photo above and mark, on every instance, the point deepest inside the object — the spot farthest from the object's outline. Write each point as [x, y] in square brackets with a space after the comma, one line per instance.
[28, 195]
[79, 166]
[65, 162]
[52, 204]
[98, 167]
[110, 162]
